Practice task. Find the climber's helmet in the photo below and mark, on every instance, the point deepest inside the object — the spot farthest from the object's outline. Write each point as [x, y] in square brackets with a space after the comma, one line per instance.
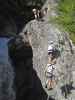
[50, 49]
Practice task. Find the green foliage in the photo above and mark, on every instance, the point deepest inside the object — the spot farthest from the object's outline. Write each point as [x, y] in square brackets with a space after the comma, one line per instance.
[66, 16]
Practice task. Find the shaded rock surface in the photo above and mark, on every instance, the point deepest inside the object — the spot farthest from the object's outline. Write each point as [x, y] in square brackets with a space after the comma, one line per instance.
[28, 85]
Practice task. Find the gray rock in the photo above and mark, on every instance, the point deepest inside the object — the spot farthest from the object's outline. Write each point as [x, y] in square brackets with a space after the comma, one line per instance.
[38, 39]
[40, 34]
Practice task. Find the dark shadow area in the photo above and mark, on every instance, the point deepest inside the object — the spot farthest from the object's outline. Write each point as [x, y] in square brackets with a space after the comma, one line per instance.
[27, 84]
[19, 11]
[66, 89]
[7, 26]
[38, 92]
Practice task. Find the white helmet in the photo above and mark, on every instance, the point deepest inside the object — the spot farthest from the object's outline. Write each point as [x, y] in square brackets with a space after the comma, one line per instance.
[50, 48]
[51, 42]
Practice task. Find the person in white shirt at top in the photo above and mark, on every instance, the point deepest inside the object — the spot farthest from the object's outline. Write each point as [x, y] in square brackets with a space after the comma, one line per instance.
[35, 13]
[38, 13]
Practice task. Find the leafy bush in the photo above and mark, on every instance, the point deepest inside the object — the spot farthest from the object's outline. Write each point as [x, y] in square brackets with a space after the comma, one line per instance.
[66, 16]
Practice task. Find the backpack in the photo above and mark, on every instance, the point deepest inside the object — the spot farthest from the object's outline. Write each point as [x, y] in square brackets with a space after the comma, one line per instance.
[7, 74]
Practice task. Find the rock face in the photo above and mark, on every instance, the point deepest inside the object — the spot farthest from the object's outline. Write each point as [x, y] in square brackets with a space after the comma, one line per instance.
[40, 34]
[38, 41]
[28, 85]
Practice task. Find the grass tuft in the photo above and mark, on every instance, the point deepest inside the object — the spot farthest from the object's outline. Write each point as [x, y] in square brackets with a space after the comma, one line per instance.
[66, 16]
